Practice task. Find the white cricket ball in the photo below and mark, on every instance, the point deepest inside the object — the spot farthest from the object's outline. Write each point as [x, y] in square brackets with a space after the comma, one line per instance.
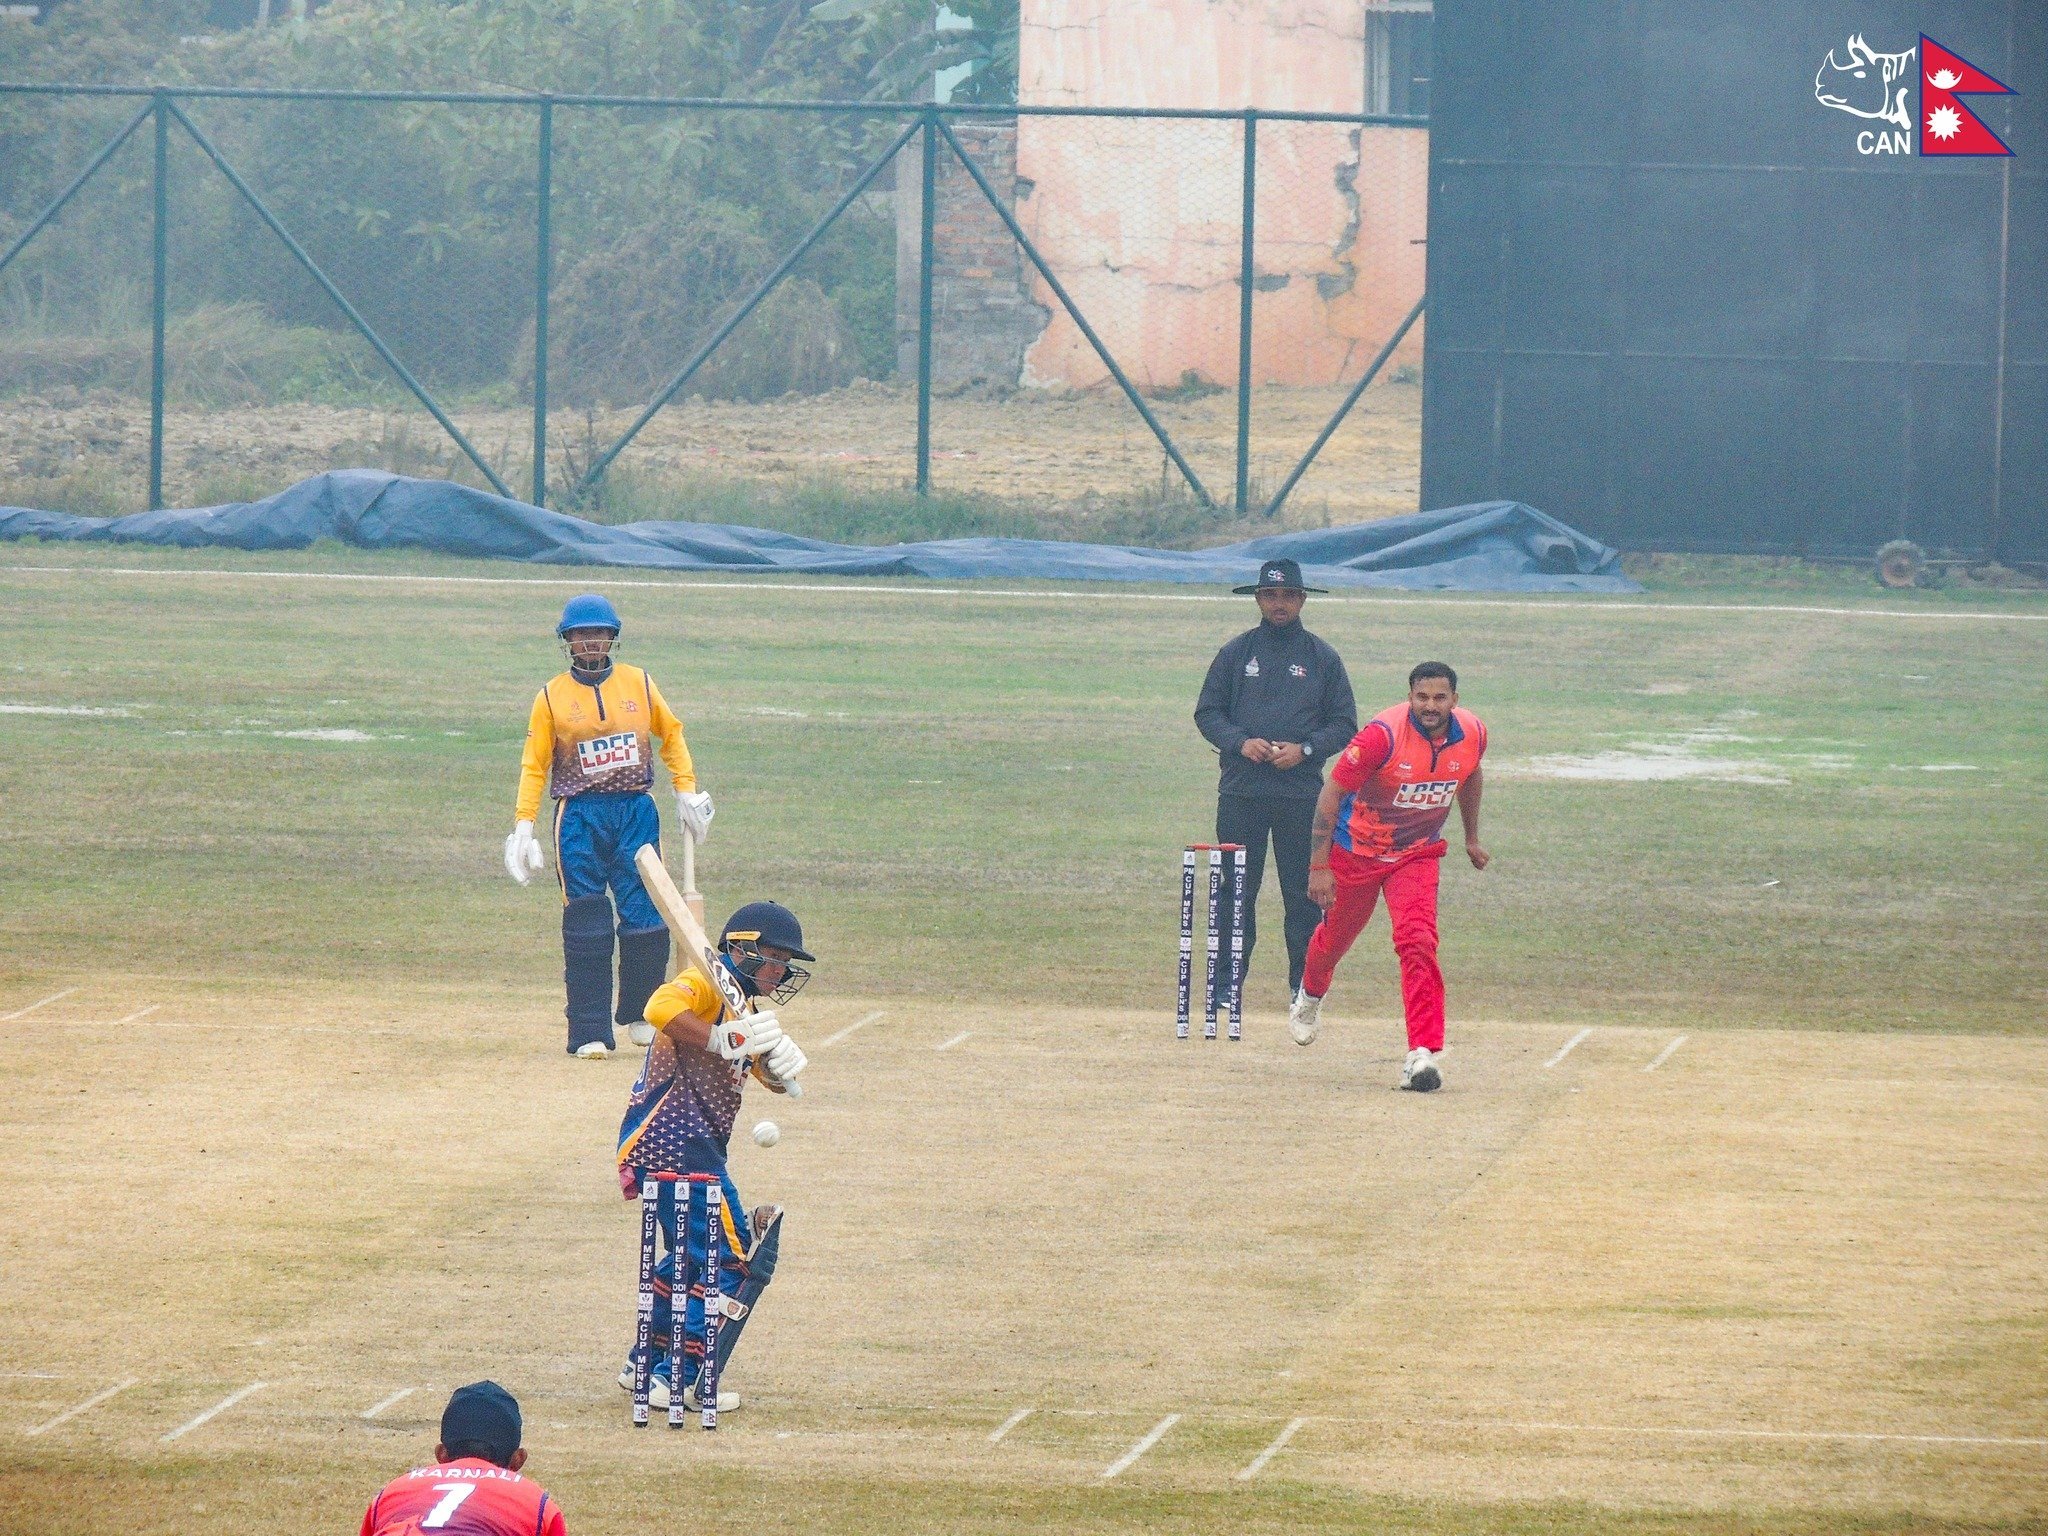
[766, 1133]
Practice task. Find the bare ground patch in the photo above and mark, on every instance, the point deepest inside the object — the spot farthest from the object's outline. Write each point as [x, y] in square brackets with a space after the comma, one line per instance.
[1045, 449]
[1787, 1272]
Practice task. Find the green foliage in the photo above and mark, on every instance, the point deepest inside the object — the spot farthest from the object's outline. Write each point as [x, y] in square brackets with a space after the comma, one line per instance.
[217, 355]
[424, 215]
[990, 47]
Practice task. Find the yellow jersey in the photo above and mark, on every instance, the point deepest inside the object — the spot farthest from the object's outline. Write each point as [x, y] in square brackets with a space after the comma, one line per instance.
[584, 738]
[680, 1115]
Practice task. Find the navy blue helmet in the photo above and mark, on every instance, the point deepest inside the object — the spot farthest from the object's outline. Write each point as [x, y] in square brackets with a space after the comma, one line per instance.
[769, 923]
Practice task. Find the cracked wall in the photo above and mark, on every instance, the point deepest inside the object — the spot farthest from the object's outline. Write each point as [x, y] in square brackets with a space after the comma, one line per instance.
[984, 311]
[1141, 217]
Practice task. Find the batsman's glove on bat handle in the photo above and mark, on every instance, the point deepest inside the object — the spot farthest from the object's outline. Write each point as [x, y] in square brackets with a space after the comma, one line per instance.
[746, 1037]
[782, 1061]
[696, 810]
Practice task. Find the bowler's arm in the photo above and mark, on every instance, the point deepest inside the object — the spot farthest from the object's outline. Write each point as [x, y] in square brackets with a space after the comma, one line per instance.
[1322, 885]
[1468, 812]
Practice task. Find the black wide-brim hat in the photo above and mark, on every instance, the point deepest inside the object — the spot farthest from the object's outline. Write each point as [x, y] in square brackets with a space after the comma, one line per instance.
[1278, 573]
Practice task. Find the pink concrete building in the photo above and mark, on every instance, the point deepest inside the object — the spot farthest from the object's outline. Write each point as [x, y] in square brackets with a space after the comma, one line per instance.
[1141, 217]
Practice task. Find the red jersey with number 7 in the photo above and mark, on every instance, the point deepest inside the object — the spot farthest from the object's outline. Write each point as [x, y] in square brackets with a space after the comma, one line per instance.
[1399, 785]
[469, 1497]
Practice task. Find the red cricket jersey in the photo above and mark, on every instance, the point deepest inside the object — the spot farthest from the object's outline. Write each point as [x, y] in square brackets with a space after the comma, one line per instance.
[1399, 785]
[469, 1497]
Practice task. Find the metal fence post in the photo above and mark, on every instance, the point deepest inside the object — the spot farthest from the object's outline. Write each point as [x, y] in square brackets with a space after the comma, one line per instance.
[543, 267]
[1244, 312]
[927, 217]
[160, 237]
[1994, 536]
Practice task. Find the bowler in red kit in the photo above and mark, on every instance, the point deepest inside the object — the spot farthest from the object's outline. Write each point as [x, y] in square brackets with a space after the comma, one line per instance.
[474, 1487]
[1376, 829]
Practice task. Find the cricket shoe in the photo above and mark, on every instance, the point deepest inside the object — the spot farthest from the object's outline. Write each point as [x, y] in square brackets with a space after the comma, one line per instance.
[1420, 1073]
[657, 1391]
[1305, 1018]
[592, 1050]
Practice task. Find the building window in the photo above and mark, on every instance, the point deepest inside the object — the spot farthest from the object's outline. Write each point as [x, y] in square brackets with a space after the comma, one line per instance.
[1397, 58]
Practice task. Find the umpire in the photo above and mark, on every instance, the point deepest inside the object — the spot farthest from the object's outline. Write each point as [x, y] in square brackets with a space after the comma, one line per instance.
[1276, 704]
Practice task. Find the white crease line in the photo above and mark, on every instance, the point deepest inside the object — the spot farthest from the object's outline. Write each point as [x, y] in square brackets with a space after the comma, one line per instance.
[1568, 1047]
[397, 1397]
[954, 1041]
[140, 1013]
[32, 1007]
[859, 1023]
[1746, 1434]
[1379, 1422]
[996, 1434]
[1122, 1463]
[298, 1029]
[1562, 602]
[91, 1402]
[31, 1375]
[1665, 1054]
[220, 1407]
[1259, 1461]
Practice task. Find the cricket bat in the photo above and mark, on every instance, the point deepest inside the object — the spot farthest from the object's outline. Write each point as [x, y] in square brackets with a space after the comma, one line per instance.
[696, 946]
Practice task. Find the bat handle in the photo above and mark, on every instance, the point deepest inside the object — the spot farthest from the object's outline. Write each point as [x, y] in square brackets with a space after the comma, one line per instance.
[689, 862]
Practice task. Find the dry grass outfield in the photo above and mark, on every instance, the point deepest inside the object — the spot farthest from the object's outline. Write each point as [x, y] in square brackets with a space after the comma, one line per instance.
[1037, 449]
[1781, 1282]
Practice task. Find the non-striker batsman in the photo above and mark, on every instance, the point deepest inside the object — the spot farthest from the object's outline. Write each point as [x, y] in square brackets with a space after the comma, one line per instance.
[590, 744]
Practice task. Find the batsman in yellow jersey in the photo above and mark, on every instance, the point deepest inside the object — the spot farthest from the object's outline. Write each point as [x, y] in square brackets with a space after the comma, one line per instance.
[590, 744]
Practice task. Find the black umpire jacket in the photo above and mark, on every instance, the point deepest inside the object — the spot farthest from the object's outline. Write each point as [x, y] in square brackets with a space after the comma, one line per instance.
[1281, 685]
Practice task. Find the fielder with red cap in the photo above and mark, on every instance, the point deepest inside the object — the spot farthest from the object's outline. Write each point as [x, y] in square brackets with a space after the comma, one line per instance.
[1376, 828]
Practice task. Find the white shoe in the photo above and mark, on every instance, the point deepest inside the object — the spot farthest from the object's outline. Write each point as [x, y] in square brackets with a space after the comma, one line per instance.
[1305, 1018]
[1421, 1072]
[592, 1050]
[641, 1033]
[657, 1393]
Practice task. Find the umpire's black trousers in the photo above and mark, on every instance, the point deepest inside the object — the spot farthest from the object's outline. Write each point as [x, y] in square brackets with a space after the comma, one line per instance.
[1287, 819]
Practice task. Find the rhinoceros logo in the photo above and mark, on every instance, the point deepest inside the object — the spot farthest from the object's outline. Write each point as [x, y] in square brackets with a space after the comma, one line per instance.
[1871, 84]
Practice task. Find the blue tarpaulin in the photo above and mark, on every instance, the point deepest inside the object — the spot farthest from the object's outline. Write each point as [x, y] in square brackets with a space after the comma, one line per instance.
[1493, 546]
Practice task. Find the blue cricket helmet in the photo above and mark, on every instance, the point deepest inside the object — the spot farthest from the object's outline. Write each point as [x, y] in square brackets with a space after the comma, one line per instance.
[589, 611]
[767, 922]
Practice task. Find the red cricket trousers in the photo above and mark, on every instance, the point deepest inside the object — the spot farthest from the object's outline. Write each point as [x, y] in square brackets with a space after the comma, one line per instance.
[1411, 905]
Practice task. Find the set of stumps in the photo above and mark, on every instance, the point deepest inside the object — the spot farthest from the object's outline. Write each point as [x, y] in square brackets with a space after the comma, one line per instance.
[1183, 1013]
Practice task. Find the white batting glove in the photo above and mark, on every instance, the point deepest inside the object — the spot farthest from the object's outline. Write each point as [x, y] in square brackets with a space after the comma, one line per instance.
[784, 1059]
[522, 853]
[695, 808]
[746, 1037]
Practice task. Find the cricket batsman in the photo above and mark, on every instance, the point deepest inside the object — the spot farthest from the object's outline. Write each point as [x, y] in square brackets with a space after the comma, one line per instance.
[679, 1120]
[589, 742]
[1376, 825]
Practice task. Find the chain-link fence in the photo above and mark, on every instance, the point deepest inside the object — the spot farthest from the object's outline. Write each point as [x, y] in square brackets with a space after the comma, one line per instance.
[1135, 323]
